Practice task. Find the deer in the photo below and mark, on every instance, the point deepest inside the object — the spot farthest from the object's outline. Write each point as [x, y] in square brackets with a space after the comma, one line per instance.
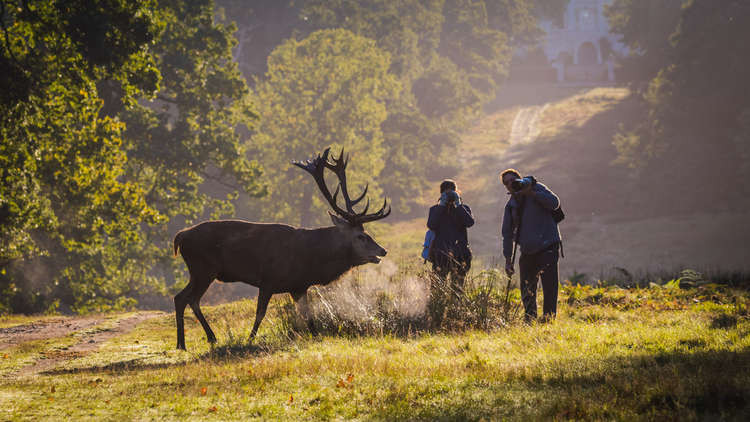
[278, 258]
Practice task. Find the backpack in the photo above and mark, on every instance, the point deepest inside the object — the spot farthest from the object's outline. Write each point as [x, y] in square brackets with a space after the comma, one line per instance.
[558, 215]
[429, 236]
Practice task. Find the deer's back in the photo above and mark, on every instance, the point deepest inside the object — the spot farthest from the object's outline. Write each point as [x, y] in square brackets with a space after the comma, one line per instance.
[236, 250]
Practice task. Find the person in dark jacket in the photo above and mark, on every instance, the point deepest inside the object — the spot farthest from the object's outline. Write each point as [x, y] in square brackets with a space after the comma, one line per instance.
[530, 211]
[449, 250]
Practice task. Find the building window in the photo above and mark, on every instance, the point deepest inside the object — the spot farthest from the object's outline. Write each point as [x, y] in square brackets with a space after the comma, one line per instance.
[586, 18]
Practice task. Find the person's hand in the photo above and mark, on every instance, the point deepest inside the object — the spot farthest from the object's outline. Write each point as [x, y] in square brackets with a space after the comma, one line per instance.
[528, 190]
[449, 197]
[509, 267]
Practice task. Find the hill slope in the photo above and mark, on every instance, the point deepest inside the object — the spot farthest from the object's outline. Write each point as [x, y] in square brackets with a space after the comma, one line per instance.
[611, 221]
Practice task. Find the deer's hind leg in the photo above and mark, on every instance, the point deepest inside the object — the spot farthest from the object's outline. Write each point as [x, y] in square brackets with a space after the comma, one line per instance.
[180, 302]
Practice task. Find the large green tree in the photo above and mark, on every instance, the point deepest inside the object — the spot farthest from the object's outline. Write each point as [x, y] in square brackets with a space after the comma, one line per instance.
[95, 164]
[329, 89]
[645, 27]
[63, 200]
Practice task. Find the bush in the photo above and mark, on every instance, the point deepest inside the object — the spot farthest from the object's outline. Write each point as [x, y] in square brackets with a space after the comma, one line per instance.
[405, 305]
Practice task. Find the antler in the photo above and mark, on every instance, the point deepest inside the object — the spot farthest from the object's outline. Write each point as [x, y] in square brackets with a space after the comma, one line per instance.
[316, 167]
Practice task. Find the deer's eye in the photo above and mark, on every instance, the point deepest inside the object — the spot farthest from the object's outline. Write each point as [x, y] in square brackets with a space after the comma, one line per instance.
[361, 237]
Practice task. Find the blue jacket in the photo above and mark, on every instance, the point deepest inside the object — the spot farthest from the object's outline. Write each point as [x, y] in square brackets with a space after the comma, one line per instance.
[538, 227]
[449, 225]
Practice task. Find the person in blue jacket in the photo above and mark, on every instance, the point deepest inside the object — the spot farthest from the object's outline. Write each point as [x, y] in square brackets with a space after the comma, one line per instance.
[528, 220]
[449, 250]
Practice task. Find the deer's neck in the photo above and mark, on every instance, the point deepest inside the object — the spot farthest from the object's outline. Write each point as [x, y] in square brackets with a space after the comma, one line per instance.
[331, 257]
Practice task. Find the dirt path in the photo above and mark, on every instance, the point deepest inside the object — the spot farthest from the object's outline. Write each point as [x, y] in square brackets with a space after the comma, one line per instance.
[41, 330]
[90, 339]
[525, 128]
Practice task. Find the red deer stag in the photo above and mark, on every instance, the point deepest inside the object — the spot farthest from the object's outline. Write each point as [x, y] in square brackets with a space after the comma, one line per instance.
[277, 258]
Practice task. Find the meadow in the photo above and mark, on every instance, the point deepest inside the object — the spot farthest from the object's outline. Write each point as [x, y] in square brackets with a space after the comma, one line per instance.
[676, 350]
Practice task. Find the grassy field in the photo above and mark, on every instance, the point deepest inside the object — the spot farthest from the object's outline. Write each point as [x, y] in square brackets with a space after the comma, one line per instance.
[652, 353]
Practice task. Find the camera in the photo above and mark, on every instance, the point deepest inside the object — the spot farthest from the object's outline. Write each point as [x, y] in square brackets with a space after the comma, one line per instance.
[518, 185]
[451, 196]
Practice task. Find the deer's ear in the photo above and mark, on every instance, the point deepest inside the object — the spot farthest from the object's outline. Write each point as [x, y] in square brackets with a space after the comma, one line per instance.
[339, 222]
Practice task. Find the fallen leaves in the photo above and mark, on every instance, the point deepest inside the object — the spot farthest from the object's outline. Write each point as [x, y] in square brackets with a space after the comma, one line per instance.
[345, 383]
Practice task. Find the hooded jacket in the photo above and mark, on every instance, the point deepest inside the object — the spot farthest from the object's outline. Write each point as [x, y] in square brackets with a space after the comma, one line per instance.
[449, 224]
[538, 228]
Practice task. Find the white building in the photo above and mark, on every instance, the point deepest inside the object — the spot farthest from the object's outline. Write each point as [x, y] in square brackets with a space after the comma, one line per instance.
[579, 46]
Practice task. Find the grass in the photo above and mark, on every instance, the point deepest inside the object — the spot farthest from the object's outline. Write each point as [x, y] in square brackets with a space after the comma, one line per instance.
[575, 111]
[612, 353]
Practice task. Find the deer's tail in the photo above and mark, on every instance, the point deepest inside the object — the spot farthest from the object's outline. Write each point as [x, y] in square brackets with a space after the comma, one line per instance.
[178, 240]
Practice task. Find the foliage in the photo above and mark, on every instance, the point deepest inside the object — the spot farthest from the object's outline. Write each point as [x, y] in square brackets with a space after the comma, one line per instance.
[645, 27]
[408, 29]
[64, 202]
[90, 175]
[185, 144]
[697, 94]
[329, 89]
[448, 56]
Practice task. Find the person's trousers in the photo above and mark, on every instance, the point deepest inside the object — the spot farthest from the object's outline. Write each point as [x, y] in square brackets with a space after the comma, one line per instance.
[445, 265]
[533, 266]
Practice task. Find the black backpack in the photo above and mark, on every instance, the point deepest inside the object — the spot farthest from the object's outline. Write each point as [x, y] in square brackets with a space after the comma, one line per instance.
[558, 215]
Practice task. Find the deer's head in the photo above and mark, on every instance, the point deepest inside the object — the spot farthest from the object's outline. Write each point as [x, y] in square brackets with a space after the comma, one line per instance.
[362, 246]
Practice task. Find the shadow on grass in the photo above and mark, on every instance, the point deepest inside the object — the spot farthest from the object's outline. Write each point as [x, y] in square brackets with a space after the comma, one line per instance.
[222, 352]
[674, 385]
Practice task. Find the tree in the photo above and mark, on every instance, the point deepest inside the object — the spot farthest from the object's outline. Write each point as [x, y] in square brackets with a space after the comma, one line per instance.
[62, 197]
[93, 167]
[645, 27]
[329, 89]
[696, 103]
[449, 57]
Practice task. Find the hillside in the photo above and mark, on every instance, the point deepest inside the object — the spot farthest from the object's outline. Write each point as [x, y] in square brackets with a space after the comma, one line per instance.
[658, 226]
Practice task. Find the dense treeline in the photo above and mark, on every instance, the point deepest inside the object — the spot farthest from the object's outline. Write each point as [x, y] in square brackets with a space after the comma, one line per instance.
[124, 120]
[689, 67]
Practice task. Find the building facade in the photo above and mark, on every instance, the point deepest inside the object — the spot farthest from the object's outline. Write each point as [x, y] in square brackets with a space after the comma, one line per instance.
[579, 46]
